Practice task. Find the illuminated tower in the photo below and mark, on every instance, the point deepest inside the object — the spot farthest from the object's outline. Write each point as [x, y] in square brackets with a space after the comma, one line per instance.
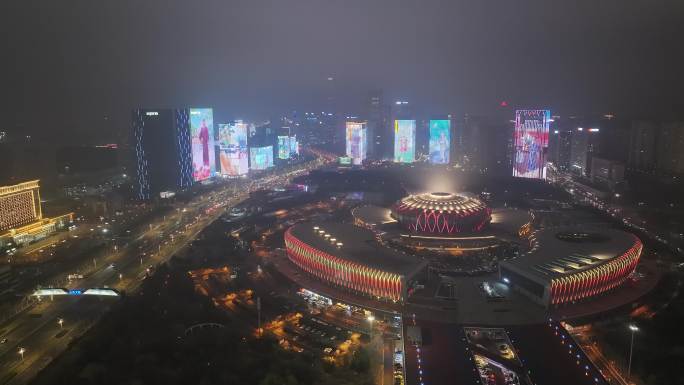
[162, 148]
[531, 141]
[380, 135]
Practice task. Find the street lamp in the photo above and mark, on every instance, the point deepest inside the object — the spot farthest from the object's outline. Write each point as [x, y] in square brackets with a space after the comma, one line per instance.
[21, 353]
[633, 328]
[61, 322]
[370, 321]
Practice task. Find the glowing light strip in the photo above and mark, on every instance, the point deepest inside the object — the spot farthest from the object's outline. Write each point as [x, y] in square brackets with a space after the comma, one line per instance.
[5, 190]
[448, 238]
[350, 275]
[596, 280]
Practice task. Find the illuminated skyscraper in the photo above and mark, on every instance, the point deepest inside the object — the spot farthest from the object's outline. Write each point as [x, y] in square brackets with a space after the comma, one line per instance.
[530, 141]
[163, 152]
[380, 135]
[642, 146]
[356, 141]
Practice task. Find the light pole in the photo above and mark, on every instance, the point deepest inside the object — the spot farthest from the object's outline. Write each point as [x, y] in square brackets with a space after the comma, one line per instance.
[258, 305]
[370, 321]
[21, 353]
[61, 323]
[633, 328]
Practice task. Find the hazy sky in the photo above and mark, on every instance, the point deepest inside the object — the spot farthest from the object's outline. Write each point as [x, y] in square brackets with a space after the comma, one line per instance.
[68, 64]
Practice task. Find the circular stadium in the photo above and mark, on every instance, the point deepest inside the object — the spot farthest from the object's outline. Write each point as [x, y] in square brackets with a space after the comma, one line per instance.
[441, 213]
[571, 263]
[349, 257]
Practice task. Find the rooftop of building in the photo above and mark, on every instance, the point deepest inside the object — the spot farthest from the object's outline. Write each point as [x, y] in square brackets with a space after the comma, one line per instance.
[356, 244]
[441, 201]
[373, 215]
[13, 189]
[559, 251]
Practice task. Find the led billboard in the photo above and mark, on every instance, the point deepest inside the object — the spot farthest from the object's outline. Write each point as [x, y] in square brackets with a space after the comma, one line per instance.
[202, 137]
[356, 142]
[233, 149]
[530, 140]
[404, 141]
[440, 141]
[260, 158]
[283, 147]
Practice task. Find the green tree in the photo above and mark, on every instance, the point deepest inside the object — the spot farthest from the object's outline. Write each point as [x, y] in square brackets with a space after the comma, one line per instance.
[361, 361]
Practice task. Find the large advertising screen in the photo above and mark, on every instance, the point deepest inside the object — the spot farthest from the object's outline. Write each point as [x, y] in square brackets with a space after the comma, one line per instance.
[404, 141]
[440, 141]
[233, 149]
[260, 158]
[283, 147]
[530, 140]
[202, 137]
[356, 142]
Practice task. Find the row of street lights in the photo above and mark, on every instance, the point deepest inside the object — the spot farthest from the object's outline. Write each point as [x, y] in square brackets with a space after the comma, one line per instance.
[22, 350]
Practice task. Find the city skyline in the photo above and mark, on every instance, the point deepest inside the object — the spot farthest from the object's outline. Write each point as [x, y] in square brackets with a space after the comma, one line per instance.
[580, 58]
[307, 192]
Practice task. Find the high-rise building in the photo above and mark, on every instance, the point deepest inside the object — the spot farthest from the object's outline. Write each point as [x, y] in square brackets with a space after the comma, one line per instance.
[613, 137]
[485, 144]
[531, 142]
[606, 171]
[163, 151]
[356, 141]
[670, 146]
[642, 146]
[380, 135]
[21, 215]
[560, 144]
[583, 146]
[575, 140]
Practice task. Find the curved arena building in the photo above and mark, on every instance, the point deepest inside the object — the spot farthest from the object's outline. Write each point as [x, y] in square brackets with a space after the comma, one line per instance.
[568, 264]
[349, 257]
[441, 213]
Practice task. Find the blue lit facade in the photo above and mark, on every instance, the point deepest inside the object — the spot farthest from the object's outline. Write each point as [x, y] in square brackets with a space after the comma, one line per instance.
[184, 151]
[162, 149]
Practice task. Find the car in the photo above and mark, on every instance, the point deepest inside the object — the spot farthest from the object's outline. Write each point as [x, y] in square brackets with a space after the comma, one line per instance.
[327, 350]
[3, 341]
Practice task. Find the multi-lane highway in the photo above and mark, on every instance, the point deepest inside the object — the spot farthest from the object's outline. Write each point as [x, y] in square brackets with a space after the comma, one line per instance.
[37, 331]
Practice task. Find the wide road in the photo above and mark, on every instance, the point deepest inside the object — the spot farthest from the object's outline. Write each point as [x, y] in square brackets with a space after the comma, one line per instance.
[38, 330]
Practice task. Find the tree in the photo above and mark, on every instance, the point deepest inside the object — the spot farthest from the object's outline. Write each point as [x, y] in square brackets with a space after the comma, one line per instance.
[361, 361]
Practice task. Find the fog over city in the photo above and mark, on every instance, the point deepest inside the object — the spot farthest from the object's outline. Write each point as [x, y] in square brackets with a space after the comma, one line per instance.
[81, 67]
[341, 192]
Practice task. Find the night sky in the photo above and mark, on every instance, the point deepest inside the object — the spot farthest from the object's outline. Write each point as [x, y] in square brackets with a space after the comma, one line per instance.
[66, 65]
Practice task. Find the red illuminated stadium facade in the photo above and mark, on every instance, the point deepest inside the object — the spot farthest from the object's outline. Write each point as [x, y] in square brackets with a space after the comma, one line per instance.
[598, 280]
[347, 256]
[442, 213]
[567, 265]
